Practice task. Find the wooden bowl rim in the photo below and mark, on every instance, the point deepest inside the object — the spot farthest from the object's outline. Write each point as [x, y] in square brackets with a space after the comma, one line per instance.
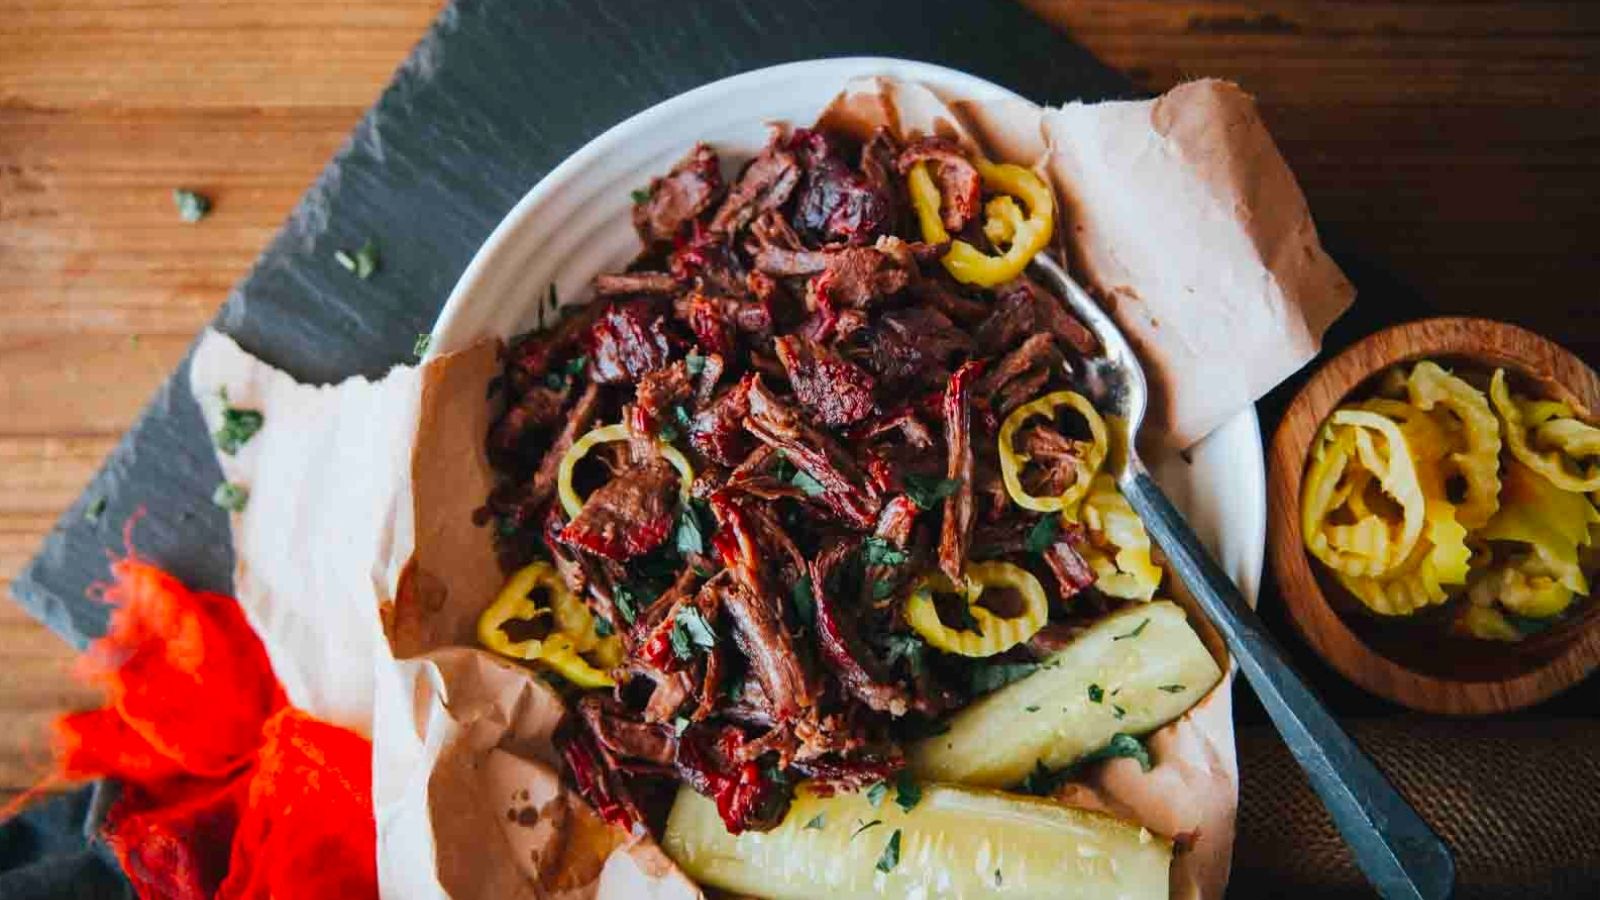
[1317, 621]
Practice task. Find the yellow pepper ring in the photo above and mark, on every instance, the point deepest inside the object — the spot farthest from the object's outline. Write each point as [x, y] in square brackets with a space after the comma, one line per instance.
[572, 503]
[1550, 464]
[994, 634]
[1479, 461]
[1027, 235]
[573, 631]
[1011, 461]
[1130, 573]
[1369, 547]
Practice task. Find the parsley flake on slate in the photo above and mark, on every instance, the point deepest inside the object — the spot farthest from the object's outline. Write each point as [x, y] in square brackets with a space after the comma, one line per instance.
[420, 348]
[873, 824]
[192, 207]
[238, 427]
[1135, 632]
[805, 602]
[876, 793]
[927, 491]
[231, 497]
[810, 486]
[879, 552]
[640, 195]
[1043, 534]
[816, 823]
[94, 510]
[907, 793]
[362, 263]
[891, 853]
[1172, 688]
[690, 630]
[1121, 745]
[1096, 693]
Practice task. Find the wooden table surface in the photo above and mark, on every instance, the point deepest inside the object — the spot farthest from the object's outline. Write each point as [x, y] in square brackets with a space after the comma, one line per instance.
[1455, 143]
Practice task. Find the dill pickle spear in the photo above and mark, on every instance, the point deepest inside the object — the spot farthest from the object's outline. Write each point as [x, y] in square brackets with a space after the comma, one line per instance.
[954, 842]
[1131, 672]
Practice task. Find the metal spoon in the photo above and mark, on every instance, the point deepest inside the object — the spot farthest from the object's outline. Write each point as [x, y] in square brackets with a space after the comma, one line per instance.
[1397, 851]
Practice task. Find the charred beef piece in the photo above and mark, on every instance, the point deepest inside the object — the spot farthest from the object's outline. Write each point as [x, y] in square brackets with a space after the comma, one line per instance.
[855, 276]
[707, 258]
[1024, 309]
[619, 284]
[960, 189]
[861, 673]
[955, 533]
[675, 199]
[910, 348]
[622, 737]
[629, 515]
[771, 229]
[747, 799]
[660, 390]
[706, 317]
[1073, 574]
[579, 420]
[759, 633]
[717, 431]
[786, 262]
[837, 392]
[845, 488]
[538, 409]
[828, 776]
[629, 340]
[878, 167]
[836, 203]
[1020, 374]
[530, 357]
[602, 788]
[765, 184]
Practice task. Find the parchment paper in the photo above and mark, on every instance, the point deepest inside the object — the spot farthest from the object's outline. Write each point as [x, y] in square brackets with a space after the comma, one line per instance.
[359, 565]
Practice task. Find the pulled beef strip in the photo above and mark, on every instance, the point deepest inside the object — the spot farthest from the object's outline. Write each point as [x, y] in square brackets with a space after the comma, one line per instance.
[629, 515]
[859, 671]
[678, 197]
[629, 340]
[599, 785]
[759, 633]
[903, 420]
[579, 420]
[1073, 574]
[708, 259]
[1025, 308]
[765, 184]
[836, 204]
[960, 188]
[829, 776]
[878, 167]
[1019, 375]
[617, 284]
[708, 319]
[622, 737]
[662, 389]
[671, 692]
[934, 293]
[529, 358]
[717, 431]
[834, 390]
[771, 229]
[955, 532]
[911, 347]
[855, 276]
[1052, 459]
[538, 409]
[787, 263]
[845, 489]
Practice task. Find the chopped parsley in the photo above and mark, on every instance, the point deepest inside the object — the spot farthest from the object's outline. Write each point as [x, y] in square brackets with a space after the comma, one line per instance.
[1135, 632]
[362, 263]
[95, 510]
[891, 853]
[816, 823]
[926, 491]
[876, 793]
[908, 647]
[691, 536]
[997, 879]
[733, 689]
[1043, 534]
[694, 363]
[420, 348]
[192, 206]
[805, 601]
[882, 588]
[873, 824]
[679, 724]
[238, 427]
[602, 626]
[808, 485]
[879, 552]
[986, 678]
[1096, 693]
[1043, 781]
[1172, 688]
[689, 631]
[627, 603]
[907, 793]
[1031, 708]
[1121, 745]
[640, 195]
[1118, 711]
[231, 497]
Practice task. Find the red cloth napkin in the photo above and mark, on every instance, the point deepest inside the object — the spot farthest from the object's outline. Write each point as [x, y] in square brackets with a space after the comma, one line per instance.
[227, 790]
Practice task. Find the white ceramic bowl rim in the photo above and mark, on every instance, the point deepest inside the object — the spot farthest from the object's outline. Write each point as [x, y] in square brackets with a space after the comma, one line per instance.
[1221, 487]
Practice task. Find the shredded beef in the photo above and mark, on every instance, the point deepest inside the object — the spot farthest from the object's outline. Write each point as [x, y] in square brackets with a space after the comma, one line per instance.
[845, 489]
[910, 347]
[855, 276]
[836, 204]
[861, 673]
[629, 340]
[623, 283]
[834, 390]
[1025, 309]
[959, 185]
[955, 534]
[630, 514]
[673, 201]
[765, 184]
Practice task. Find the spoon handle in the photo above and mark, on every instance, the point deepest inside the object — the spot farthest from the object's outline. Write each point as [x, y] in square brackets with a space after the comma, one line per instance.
[1397, 851]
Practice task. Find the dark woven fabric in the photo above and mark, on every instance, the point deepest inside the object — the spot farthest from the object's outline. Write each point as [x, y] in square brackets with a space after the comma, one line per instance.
[1518, 801]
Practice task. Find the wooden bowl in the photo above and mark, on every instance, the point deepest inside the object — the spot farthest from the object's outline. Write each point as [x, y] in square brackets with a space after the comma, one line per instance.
[1412, 661]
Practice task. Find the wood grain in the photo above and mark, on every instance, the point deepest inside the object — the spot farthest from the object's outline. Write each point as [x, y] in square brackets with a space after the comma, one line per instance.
[1483, 677]
[1453, 142]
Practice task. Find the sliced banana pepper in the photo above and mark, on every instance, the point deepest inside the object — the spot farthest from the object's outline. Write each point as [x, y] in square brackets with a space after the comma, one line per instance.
[1011, 462]
[1552, 522]
[1024, 235]
[993, 634]
[572, 503]
[572, 628]
[1414, 585]
[1372, 546]
[1538, 442]
[1478, 463]
[1131, 573]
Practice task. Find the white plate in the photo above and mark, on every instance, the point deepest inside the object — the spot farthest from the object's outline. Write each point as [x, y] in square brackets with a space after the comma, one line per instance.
[575, 223]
